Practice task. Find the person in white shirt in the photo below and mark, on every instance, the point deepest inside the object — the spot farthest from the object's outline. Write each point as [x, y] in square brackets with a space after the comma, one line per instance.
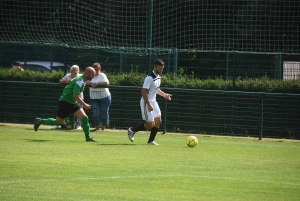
[151, 113]
[74, 72]
[100, 98]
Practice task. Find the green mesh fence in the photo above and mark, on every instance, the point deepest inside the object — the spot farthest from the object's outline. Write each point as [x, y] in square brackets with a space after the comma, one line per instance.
[206, 39]
[142, 27]
[199, 64]
[190, 111]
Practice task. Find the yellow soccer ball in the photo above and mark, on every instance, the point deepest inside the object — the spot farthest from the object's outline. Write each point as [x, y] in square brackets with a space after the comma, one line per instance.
[191, 141]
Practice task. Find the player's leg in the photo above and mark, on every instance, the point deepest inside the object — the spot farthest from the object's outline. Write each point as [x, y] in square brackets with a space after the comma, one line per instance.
[147, 116]
[48, 121]
[96, 112]
[78, 127]
[62, 125]
[52, 121]
[104, 107]
[142, 126]
[78, 120]
[154, 130]
[85, 124]
[61, 114]
[157, 121]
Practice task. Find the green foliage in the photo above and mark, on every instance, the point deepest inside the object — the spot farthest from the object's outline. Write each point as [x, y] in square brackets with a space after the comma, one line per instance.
[126, 79]
[263, 84]
[30, 76]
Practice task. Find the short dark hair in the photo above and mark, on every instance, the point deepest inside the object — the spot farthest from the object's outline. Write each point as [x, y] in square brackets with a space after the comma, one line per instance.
[159, 62]
[16, 63]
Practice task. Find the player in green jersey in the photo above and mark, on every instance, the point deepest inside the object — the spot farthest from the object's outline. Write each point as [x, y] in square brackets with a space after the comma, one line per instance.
[68, 104]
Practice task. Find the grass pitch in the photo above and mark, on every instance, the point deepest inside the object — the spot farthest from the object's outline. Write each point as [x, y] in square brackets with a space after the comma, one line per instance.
[60, 165]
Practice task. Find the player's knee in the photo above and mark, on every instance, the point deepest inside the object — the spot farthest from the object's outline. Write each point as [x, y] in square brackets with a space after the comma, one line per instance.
[85, 120]
[149, 125]
[59, 120]
[157, 122]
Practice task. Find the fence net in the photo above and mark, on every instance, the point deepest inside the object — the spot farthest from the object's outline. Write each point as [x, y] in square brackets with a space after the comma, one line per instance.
[190, 111]
[143, 26]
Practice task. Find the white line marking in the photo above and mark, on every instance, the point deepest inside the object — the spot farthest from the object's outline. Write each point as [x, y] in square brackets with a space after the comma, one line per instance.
[149, 176]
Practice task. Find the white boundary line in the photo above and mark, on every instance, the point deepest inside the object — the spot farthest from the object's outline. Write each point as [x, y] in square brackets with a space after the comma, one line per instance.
[149, 176]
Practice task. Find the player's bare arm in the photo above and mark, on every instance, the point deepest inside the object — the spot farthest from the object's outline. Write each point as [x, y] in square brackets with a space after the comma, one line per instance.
[100, 84]
[90, 83]
[144, 93]
[84, 104]
[163, 94]
[97, 84]
[64, 81]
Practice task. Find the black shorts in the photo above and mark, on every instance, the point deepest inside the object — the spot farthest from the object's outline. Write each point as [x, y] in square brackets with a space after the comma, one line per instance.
[65, 108]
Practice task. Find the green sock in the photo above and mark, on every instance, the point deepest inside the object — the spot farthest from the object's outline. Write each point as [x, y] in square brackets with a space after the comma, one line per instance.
[49, 121]
[86, 127]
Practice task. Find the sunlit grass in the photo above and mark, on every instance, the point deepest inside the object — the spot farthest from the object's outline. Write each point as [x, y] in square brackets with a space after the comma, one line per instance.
[60, 165]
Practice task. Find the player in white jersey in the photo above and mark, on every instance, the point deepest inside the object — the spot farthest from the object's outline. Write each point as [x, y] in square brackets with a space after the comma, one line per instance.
[150, 110]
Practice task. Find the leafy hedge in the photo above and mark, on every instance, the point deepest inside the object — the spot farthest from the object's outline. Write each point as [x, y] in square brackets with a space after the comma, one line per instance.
[263, 84]
[30, 76]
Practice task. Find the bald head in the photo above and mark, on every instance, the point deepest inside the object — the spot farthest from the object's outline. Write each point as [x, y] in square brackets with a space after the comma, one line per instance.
[89, 73]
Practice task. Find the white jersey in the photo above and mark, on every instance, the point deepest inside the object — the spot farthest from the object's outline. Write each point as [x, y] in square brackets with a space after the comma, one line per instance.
[152, 83]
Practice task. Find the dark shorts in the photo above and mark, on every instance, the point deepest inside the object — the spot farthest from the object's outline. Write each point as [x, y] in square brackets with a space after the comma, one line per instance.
[65, 108]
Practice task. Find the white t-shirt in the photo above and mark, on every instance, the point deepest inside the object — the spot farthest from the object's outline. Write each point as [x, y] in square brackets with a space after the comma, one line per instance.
[69, 77]
[99, 93]
[152, 83]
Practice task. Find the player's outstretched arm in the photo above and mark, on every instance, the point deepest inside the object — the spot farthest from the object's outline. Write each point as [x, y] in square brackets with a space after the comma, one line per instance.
[84, 104]
[163, 94]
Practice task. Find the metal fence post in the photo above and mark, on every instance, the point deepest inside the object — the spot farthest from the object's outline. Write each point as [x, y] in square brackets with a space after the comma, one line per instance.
[165, 116]
[121, 62]
[227, 65]
[278, 64]
[232, 115]
[261, 115]
[66, 60]
[175, 61]
[96, 56]
[233, 73]
[149, 33]
[169, 61]
[232, 98]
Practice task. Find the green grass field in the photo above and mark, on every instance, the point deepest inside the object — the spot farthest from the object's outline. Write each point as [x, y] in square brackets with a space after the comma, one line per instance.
[60, 165]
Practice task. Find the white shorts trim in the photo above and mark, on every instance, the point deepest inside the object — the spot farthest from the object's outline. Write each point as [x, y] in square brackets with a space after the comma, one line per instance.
[149, 116]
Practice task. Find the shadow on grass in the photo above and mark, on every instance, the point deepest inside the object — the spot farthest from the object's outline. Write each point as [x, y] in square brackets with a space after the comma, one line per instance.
[53, 131]
[33, 140]
[117, 144]
[93, 130]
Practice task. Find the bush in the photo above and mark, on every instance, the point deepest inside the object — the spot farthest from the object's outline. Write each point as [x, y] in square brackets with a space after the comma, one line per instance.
[30, 76]
[263, 84]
